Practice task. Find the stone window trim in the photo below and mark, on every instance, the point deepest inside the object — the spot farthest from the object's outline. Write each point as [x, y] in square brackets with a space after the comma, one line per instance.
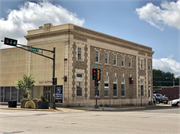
[123, 82]
[141, 63]
[123, 61]
[107, 54]
[115, 60]
[82, 52]
[79, 71]
[97, 61]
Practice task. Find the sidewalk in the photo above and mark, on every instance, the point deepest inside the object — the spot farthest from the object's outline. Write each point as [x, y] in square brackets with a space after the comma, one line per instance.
[67, 109]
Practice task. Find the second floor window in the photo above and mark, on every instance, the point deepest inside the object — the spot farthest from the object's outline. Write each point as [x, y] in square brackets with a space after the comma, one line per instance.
[141, 64]
[149, 65]
[106, 58]
[115, 57]
[122, 61]
[79, 54]
[97, 56]
[130, 62]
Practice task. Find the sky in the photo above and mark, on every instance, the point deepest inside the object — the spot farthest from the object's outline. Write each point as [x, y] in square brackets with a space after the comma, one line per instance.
[151, 23]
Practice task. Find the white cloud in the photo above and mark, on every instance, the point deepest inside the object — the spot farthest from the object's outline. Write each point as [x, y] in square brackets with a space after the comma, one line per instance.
[167, 14]
[166, 64]
[31, 15]
[171, 56]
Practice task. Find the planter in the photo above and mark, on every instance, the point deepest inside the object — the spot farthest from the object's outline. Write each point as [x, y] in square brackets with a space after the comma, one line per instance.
[23, 104]
[43, 105]
[12, 104]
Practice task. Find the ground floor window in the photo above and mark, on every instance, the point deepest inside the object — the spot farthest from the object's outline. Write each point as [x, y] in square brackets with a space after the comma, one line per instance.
[79, 85]
[106, 86]
[142, 88]
[10, 94]
[114, 86]
[122, 87]
[98, 89]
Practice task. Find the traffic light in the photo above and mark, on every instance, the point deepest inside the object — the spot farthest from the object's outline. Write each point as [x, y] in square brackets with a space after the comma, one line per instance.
[94, 74]
[10, 42]
[54, 81]
[98, 74]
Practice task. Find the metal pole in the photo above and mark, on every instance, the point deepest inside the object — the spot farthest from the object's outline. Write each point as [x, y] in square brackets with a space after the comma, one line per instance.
[53, 87]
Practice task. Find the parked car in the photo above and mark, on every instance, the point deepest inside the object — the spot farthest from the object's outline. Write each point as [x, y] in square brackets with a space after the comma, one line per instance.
[154, 99]
[161, 99]
[165, 99]
[175, 102]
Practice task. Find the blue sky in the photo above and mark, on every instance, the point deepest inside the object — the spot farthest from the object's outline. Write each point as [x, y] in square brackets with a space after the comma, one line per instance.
[152, 23]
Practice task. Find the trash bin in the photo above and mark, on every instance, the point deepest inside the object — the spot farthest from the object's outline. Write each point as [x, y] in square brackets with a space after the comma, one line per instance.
[12, 104]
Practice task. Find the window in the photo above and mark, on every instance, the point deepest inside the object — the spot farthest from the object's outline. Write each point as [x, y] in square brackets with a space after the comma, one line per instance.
[122, 87]
[79, 85]
[115, 59]
[149, 65]
[141, 64]
[97, 56]
[142, 88]
[98, 89]
[106, 58]
[79, 54]
[114, 86]
[130, 64]
[106, 86]
[122, 61]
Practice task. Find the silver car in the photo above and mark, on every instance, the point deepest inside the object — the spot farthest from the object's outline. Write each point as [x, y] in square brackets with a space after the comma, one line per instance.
[175, 102]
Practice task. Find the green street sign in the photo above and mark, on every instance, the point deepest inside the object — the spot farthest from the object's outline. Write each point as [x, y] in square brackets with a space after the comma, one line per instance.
[33, 49]
[96, 66]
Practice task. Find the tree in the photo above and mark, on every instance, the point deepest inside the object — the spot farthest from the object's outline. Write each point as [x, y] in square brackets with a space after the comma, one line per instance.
[26, 84]
[161, 78]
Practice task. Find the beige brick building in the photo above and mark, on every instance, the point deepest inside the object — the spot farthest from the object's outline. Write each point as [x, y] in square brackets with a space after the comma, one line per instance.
[126, 67]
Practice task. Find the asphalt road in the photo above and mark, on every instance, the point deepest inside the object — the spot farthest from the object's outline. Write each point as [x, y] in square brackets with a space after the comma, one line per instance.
[161, 120]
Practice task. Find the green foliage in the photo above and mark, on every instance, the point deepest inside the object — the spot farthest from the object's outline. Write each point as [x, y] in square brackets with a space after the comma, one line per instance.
[161, 78]
[156, 87]
[26, 84]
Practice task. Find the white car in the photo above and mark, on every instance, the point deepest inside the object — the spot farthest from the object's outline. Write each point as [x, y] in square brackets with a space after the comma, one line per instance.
[175, 102]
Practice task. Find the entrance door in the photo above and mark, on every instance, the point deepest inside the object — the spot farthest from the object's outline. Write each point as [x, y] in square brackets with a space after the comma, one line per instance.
[47, 93]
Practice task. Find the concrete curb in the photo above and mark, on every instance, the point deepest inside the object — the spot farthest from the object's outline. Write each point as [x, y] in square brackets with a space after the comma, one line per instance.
[115, 109]
[27, 109]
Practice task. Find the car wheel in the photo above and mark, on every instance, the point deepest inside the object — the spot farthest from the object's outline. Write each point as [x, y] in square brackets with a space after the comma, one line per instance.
[178, 104]
[157, 101]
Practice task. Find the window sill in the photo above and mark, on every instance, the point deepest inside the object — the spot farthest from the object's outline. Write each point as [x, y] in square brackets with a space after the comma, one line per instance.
[97, 62]
[106, 64]
[115, 66]
[79, 97]
[80, 60]
[123, 96]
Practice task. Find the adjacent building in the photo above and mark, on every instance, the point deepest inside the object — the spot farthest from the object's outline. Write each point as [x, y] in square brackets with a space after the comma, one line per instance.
[126, 67]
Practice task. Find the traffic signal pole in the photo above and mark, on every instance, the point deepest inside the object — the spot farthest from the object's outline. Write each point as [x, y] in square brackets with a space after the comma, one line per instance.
[53, 86]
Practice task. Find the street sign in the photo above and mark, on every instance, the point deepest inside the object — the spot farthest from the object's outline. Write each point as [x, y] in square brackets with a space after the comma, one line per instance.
[96, 66]
[11, 42]
[33, 49]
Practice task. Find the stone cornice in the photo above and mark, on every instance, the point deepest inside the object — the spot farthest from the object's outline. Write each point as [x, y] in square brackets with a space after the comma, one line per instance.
[85, 34]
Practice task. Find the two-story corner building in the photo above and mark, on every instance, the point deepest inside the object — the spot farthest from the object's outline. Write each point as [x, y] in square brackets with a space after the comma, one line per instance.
[126, 67]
